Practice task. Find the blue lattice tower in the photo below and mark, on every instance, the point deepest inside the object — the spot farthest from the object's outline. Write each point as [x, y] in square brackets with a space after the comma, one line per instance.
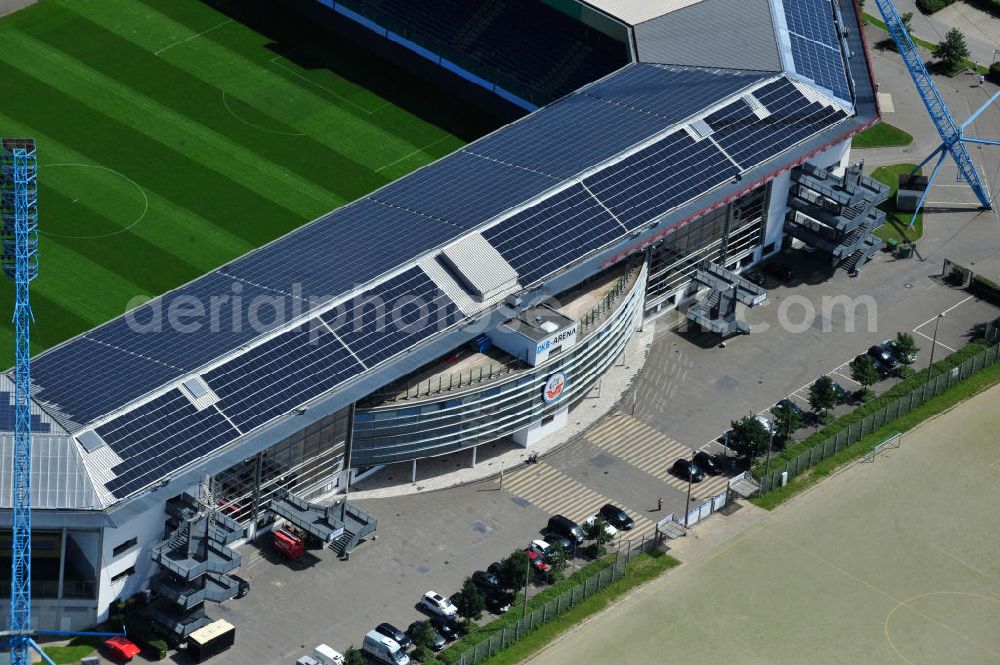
[953, 137]
[19, 234]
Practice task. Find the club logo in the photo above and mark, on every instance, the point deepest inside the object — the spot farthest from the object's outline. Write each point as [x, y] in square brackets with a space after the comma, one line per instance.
[554, 387]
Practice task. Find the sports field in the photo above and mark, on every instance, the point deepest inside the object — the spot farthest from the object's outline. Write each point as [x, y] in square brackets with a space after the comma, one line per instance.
[888, 563]
[174, 135]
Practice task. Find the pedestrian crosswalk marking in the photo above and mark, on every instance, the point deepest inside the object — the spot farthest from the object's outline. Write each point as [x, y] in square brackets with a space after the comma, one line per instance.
[557, 493]
[647, 449]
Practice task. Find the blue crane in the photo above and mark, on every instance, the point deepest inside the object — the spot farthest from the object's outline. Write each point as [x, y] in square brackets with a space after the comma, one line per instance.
[19, 260]
[953, 138]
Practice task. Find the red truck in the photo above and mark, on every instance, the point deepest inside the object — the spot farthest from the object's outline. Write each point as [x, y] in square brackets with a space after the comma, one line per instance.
[289, 544]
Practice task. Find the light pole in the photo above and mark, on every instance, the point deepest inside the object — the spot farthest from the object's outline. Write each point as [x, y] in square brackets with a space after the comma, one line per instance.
[937, 321]
[527, 572]
[687, 504]
[770, 446]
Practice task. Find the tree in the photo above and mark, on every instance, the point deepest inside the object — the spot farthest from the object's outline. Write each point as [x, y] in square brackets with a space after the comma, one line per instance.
[786, 419]
[863, 371]
[748, 437]
[822, 396]
[471, 601]
[558, 560]
[423, 634]
[597, 532]
[354, 657]
[952, 50]
[906, 17]
[907, 347]
[512, 569]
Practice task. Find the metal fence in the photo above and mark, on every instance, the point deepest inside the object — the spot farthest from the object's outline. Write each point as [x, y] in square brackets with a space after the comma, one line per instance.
[502, 637]
[873, 421]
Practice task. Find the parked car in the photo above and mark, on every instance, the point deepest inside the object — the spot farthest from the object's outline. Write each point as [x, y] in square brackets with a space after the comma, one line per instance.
[564, 526]
[755, 275]
[536, 556]
[569, 547]
[616, 517]
[438, 605]
[497, 602]
[391, 631]
[609, 528]
[795, 408]
[121, 648]
[840, 391]
[437, 642]
[494, 569]
[486, 580]
[893, 348]
[766, 422]
[708, 463]
[687, 470]
[781, 272]
[883, 353]
[446, 628]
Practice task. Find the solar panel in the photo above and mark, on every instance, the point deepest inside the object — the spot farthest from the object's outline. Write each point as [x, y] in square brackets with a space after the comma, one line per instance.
[595, 124]
[391, 317]
[350, 246]
[750, 140]
[660, 177]
[671, 92]
[282, 373]
[7, 413]
[86, 380]
[159, 437]
[812, 19]
[545, 237]
[823, 65]
[465, 189]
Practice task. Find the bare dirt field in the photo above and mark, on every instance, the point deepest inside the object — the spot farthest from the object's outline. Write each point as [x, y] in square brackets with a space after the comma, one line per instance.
[889, 562]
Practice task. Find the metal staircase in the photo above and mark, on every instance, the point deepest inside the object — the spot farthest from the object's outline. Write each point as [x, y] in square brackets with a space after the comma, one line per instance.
[340, 525]
[836, 215]
[716, 312]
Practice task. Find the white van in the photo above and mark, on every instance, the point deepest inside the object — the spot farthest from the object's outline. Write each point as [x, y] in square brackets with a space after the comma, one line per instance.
[384, 649]
[327, 656]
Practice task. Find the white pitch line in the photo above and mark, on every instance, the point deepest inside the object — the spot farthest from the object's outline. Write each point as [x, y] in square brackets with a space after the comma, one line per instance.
[192, 37]
[940, 343]
[930, 320]
[411, 154]
[844, 376]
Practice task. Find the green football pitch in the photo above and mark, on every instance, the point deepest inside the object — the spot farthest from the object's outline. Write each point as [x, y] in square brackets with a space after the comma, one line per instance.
[174, 136]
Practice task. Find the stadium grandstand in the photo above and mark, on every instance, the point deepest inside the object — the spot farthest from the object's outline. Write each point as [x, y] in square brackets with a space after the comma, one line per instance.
[671, 144]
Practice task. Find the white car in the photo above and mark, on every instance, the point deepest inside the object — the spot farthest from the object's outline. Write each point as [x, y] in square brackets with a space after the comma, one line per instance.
[765, 422]
[439, 605]
[588, 524]
[540, 546]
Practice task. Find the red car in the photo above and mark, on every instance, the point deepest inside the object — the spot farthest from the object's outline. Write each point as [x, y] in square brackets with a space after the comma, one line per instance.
[121, 648]
[537, 558]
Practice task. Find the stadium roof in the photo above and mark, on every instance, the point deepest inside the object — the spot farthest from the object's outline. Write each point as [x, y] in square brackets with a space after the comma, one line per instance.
[546, 192]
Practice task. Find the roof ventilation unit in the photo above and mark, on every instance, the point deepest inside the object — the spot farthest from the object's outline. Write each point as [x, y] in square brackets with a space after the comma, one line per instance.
[479, 267]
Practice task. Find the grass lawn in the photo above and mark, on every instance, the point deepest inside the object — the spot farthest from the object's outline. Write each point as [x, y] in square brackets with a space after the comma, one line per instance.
[897, 222]
[77, 648]
[959, 392]
[882, 135]
[930, 46]
[173, 137]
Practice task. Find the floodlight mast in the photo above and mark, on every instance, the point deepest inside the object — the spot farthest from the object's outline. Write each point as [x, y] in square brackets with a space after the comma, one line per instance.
[953, 137]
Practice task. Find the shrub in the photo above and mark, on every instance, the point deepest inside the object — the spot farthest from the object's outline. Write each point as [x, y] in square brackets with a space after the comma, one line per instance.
[931, 6]
[994, 73]
[952, 51]
[157, 649]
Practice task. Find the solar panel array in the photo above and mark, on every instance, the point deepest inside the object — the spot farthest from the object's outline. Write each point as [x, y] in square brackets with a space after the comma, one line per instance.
[391, 317]
[750, 140]
[159, 436]
[102, 371]
[8, 411]
[660, 177]
[815, 44]
[561, 229]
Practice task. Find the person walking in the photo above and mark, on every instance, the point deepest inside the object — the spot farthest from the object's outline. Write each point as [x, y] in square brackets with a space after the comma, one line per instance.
[982, 79]
[659, 503]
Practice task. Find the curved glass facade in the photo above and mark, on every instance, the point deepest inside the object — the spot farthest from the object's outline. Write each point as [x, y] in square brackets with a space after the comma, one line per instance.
[413, 429]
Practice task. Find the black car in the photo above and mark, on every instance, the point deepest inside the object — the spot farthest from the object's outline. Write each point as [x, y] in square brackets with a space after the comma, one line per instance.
[394, 633]
[494, 569]
[486, 581]
[839, 391]
[687, 470]
[445, 628]
[708, 463]
[616, 517]
[497, 602]
[781, 272]
[242, 586]
[569, 547]
[883, 353]
[436, 643]
[566, 527]
[795, 408]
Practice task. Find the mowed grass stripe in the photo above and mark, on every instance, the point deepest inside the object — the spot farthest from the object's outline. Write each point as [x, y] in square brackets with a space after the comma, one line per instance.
[236, 60]
[172, 130]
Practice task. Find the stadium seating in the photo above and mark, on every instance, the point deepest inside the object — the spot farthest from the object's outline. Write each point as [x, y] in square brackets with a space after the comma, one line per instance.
[524, 46]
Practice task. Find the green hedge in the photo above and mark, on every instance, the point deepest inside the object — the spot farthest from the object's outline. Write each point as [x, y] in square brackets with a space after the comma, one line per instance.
[985, 289]
[901, 389]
